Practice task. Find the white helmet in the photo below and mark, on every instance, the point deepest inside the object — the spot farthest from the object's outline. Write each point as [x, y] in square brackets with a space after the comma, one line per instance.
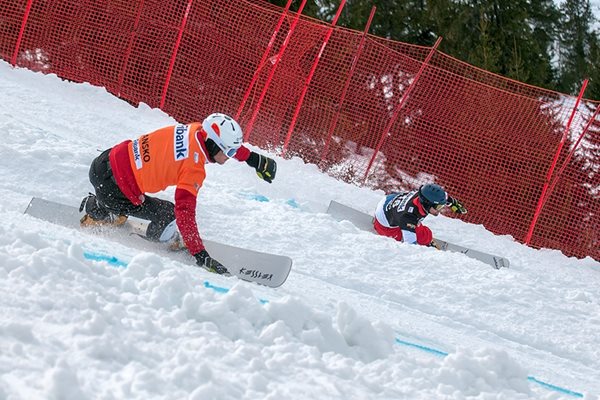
[224, 131]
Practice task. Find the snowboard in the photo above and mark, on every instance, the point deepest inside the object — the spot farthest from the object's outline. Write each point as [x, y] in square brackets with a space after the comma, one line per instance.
[364, 221]
[263, 268]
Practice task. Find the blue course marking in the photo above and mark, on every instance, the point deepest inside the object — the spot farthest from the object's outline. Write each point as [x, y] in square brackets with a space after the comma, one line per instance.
[219, 289]
[529, 378]
[264, 199]
[259, 197]
[553, 387]
[254, 196]
[114, 261]
[424, 348]
[292, 203]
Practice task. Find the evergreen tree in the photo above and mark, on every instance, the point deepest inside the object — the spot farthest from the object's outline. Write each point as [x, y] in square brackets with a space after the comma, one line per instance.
[402, 20]
[512, 38]
[593, 69]
[576, 43]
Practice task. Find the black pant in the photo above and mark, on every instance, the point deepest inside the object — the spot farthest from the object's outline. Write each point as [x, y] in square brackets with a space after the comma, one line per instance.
[109, 198]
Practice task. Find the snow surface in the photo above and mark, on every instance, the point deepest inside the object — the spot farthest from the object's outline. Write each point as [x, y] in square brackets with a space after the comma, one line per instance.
[83, 316]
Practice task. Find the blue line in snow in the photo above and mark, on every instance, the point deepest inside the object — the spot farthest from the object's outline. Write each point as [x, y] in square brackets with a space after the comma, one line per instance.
[553, 387]
[219, 289]
[259, 197]
[424, 348]
[112, 260]
[529, 378]
[292, 203]
[264, 199]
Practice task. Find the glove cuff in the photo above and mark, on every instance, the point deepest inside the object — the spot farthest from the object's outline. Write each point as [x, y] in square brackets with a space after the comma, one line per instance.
[253, 160]
[201, 256]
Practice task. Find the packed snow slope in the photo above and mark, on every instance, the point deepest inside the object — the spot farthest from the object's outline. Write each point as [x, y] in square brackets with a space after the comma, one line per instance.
[86, 316]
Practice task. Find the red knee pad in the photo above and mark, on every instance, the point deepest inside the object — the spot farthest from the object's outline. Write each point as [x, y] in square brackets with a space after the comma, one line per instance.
[424, 235]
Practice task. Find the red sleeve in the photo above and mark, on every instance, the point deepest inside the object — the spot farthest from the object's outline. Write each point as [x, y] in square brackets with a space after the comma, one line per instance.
[185, 215]
[242, 154]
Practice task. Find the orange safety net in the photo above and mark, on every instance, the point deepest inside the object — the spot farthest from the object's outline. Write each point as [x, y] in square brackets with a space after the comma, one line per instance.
[488, 140]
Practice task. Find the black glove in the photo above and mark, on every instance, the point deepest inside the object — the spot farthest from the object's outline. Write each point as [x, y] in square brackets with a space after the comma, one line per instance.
[204, 260]
[456, 206]
[265, 167]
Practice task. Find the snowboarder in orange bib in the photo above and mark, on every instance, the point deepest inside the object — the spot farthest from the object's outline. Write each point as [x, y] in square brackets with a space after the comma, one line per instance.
[171, 156]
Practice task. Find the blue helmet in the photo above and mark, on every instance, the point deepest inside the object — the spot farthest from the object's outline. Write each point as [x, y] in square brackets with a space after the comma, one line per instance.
[432, 195]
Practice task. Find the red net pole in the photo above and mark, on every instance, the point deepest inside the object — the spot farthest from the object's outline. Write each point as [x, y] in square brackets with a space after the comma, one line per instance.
[310, 76]
[542, 198]
[261, 64]
[399, 106]
[13, 59]
[129, 47]
[174, 56]
[272, 72]
[336, 117]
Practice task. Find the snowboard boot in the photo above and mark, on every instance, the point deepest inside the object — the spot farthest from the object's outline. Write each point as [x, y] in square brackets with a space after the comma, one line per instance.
[172, 238]
[95, 215]
[112, 220]
[176, 243]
